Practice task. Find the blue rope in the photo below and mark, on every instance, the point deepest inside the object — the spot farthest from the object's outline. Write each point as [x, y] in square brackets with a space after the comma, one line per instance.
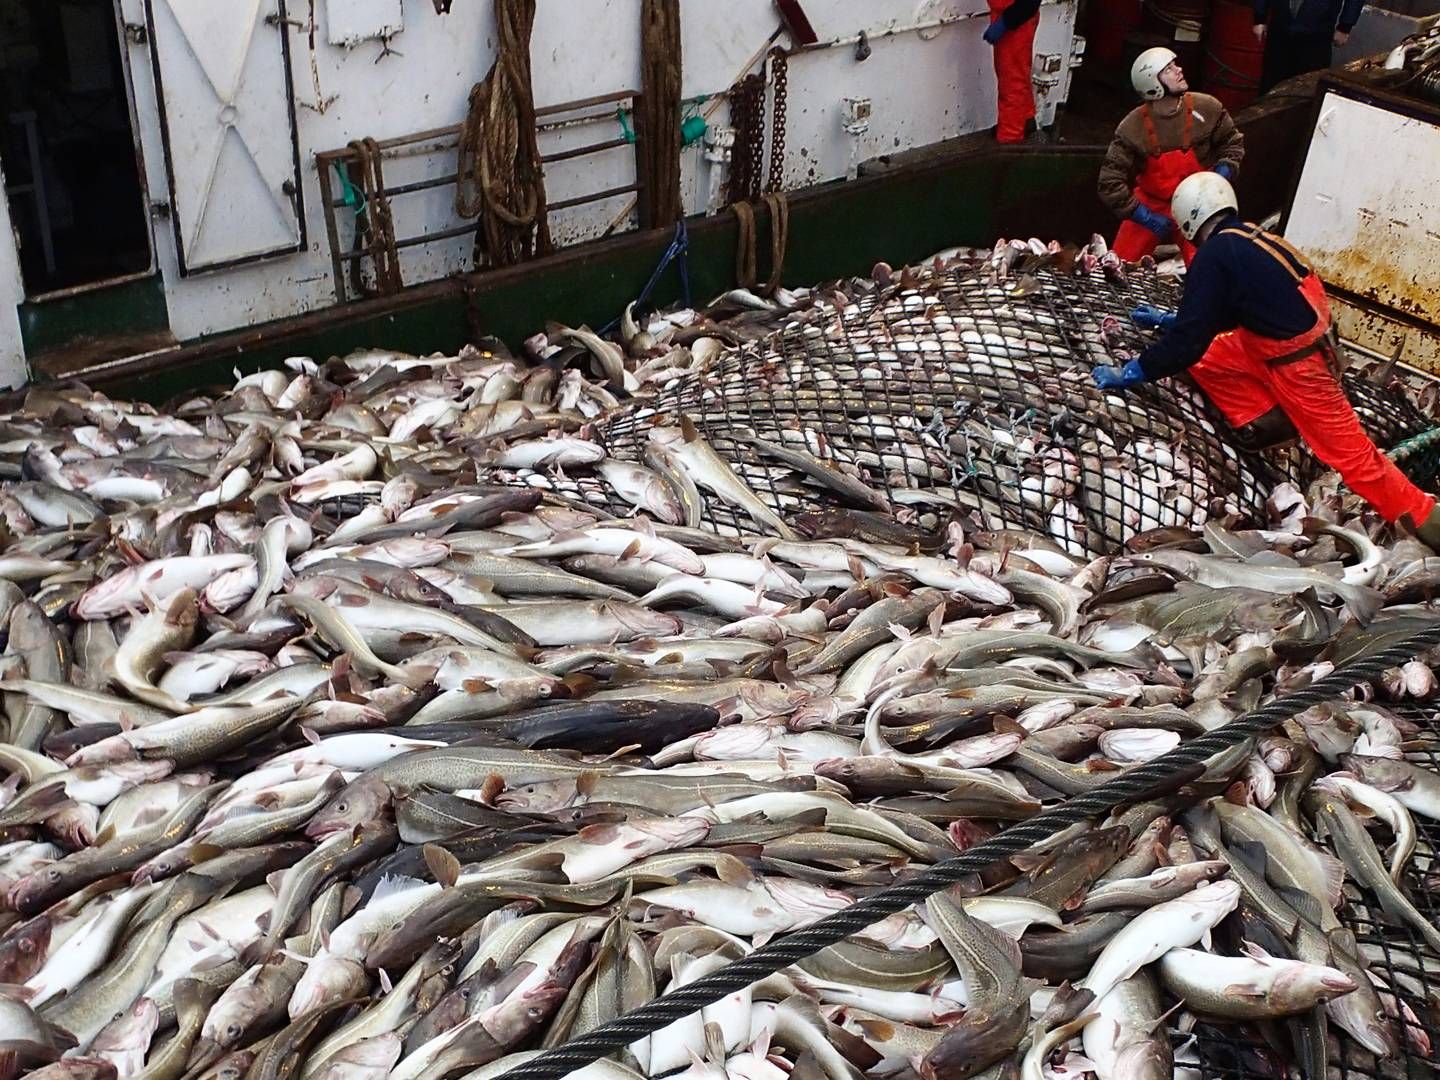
[679, 248]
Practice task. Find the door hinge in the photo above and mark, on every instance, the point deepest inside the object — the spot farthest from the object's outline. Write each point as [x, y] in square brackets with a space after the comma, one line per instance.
[160, 209]
[137, 33]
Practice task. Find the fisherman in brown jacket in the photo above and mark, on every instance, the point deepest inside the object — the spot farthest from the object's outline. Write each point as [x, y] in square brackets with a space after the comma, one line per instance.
[1172, 135]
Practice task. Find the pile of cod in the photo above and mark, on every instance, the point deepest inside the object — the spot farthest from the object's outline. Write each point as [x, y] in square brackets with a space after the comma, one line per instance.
[329, 757]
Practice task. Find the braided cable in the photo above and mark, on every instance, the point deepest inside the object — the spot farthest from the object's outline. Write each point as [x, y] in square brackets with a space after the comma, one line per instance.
[1144, 781]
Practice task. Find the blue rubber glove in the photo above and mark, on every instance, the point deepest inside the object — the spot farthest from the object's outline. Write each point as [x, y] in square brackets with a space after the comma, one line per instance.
[994, 32]
[1156, 222]
[1225, 169]
[1108, 377]
[1150, 317]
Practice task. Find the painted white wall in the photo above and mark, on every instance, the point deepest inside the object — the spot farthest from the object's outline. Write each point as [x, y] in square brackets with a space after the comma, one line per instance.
[924, 87]
[13, 370]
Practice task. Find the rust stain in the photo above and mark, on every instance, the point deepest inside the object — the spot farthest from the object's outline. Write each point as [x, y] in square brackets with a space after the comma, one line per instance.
[1381, 276]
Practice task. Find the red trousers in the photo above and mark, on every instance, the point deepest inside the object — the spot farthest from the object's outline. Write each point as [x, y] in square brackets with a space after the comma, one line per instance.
[1013, 61]
[1237, 377]
[1133, 241]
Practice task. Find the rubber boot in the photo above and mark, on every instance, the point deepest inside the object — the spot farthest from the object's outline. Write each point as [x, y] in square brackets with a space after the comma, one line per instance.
[1429, 530]
[1269, 431]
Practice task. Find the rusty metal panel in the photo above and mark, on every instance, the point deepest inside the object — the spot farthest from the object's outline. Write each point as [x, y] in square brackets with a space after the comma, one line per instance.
[223, 76]
[1364, 209]
[1418, 346]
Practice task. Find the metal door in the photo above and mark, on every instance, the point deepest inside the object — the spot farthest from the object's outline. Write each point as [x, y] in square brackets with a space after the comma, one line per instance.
[227, 112]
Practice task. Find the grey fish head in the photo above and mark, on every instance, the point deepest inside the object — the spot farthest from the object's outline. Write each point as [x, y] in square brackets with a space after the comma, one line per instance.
[977, 1041]
[364, 799]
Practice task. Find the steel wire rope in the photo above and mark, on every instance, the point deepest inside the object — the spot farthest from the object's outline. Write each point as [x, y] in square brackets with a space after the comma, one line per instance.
[1149, 780]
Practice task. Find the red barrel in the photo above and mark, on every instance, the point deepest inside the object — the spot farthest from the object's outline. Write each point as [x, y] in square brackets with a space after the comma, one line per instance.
[1233, 58]
[1106, 25]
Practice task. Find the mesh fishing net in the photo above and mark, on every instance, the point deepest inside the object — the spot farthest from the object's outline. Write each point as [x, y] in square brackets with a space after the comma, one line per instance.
[1401, 962]
[961, 391]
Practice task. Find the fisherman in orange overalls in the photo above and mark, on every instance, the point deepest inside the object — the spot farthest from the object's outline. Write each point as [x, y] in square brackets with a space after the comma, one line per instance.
[1253, 331]
[1012, 32]
[1171, 135]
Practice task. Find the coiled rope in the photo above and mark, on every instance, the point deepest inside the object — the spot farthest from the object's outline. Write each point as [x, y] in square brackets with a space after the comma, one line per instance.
[1161, 775]
[499, 175]
[378, 223]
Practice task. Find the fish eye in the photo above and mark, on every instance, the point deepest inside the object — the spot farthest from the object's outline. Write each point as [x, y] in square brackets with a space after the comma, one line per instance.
[53, 873]
[233, 1031]
[342, 806]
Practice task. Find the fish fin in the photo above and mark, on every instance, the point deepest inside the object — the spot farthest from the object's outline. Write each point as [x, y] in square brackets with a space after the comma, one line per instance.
[444, 866]
[104, 836]
[856, 567]
[1243, 990]
[688, 430]
[936, 620]
[475, 686]
[881, 1030]
[619, 752]
[1005, 725]
[632, 549]
[579, 685]
[1305, 905]
[202, 852]
[1334, 871]
[586, 781]
[1255, 952]
[1252, 854]
[1027, 862]
[491, 788]
[390, 884]
[1238, 794]
[733, 872]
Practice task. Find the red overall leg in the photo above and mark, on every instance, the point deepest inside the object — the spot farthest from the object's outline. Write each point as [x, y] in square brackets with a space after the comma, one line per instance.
[1227, 375]
[1321, 413]
[1015, 96]
[1133, 241]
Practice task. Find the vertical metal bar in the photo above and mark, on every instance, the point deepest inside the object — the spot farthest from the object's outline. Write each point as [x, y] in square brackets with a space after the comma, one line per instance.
[327, 198]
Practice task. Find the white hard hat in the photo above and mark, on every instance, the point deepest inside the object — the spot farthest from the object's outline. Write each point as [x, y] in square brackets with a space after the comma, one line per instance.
[1145, 72]
[1198, 198]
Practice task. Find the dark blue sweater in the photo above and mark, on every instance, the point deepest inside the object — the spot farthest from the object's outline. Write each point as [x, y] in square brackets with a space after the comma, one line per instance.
[1233, 281]
[1315, 18]
[1021, 12]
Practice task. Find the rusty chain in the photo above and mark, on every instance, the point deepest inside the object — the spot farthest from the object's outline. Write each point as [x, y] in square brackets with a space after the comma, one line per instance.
[780, 66]
[747, 116]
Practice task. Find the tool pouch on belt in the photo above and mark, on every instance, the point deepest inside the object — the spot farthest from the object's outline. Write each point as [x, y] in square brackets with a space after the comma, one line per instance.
[1266, 432]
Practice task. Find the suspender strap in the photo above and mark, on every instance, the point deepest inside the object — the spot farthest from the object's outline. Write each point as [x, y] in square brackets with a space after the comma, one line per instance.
[1276, 248]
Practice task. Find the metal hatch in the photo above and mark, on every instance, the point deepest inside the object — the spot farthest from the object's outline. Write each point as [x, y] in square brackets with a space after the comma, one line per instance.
[227, 112]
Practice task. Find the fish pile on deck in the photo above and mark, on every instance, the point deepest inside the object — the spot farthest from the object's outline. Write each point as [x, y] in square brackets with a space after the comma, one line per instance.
[945, 389]
[330, 757]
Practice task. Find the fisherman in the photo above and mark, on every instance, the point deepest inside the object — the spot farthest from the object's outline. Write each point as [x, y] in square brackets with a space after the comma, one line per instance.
[1172, 134]
[1254, 331]
[1301, 34]
[1012, 33]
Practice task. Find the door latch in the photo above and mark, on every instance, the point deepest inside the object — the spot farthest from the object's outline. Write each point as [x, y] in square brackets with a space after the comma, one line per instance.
[276, 19]
[137, 33]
